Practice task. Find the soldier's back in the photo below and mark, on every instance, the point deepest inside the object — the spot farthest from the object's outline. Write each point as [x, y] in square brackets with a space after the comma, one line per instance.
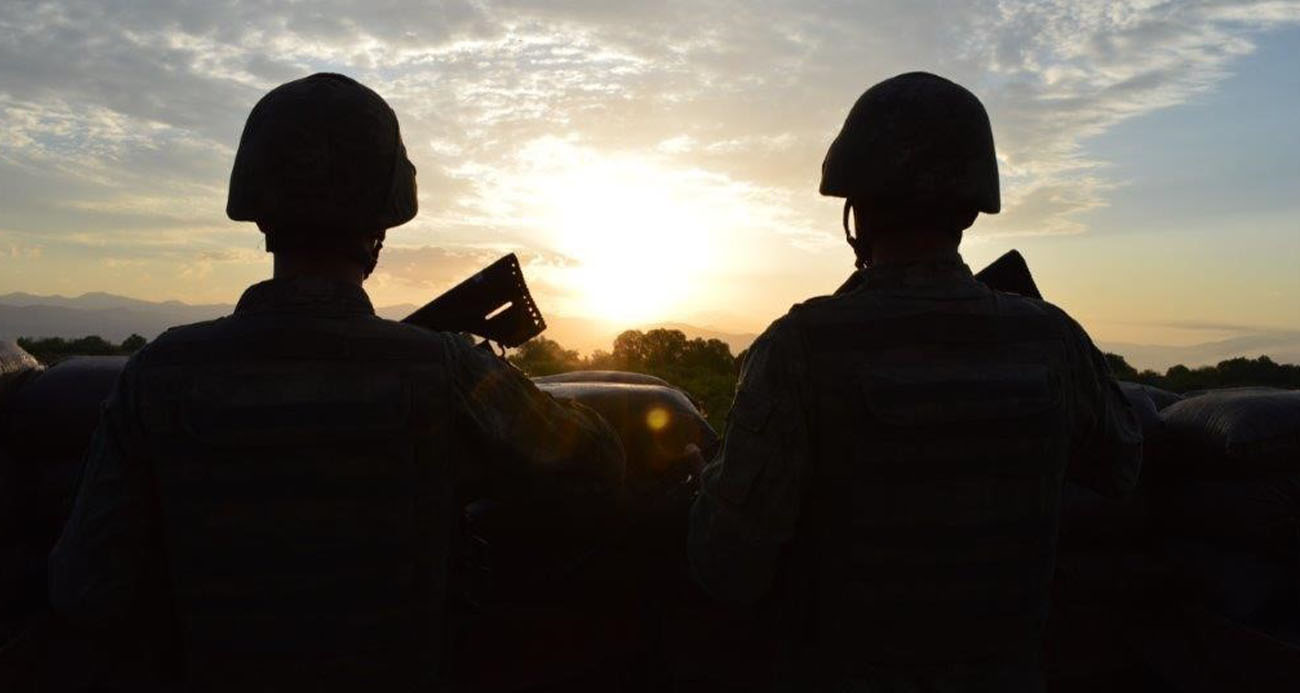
[303, 451]
[941, 416]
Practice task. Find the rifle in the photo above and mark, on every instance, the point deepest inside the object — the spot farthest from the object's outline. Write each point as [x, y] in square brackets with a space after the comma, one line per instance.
[493, 304]
[1009, 273]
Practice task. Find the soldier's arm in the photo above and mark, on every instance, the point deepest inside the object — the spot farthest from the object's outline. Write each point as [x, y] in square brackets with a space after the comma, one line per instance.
[749, 500]
[532, 445]
[1107, 442]
[101, 568]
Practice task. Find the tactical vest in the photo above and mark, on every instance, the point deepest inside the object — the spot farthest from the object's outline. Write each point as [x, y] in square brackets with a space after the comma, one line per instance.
[940, 438]
[303, 475]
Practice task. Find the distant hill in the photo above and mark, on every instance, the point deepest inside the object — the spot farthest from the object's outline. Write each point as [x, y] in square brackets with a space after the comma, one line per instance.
[110, 316]
[116, 317]
[1283, 346]
[112, 323]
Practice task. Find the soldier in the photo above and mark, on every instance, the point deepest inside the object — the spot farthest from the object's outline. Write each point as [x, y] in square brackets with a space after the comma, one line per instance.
[892, 467]
[277, 491]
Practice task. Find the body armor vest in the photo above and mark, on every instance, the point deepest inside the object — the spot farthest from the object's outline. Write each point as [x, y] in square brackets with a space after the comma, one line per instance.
[303, 474]
[940, 439]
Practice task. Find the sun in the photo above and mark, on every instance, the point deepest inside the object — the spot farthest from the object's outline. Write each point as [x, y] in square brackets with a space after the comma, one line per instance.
[642, 235]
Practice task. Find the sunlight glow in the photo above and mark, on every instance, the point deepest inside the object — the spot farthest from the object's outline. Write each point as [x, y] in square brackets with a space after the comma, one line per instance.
[644, 236]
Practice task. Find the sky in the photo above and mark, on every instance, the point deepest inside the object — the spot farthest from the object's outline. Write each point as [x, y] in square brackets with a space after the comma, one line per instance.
[658, 161]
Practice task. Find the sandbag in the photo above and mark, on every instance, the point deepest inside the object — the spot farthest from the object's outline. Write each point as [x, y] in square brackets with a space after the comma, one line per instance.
[16, 367]
[46, 427]
[656, 423]
[627, 377]
[1162, 398]
[1153, 427]
[1232, 433]
[1236, 542]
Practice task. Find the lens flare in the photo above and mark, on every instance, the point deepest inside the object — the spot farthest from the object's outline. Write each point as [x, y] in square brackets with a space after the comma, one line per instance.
[657, 418]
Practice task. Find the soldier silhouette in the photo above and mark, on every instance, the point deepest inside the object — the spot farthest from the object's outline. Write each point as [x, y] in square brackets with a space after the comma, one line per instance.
[892, 467]
[271, 498]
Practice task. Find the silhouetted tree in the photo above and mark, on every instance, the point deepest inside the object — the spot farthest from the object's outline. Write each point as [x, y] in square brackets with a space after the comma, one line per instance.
[1119, 367]
[703, 368]
[542, 356]
[51, 350]
[1237, 372]
[133, 343]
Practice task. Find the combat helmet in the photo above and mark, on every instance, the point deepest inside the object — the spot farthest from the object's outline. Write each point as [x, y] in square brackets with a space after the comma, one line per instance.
[916, 138]
[323, 154]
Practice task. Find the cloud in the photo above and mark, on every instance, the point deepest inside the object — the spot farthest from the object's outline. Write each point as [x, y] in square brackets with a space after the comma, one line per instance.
[123, 115]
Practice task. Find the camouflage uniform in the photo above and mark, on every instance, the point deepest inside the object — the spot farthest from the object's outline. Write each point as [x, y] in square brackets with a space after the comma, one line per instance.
[281, 488]
[891, 473]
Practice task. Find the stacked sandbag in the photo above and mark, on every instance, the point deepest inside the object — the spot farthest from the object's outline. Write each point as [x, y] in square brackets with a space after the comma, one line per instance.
[45, 428]
[1234, 433]
[1161, 398]
[1139, 397]
[664, 437]
[1106, 571]
[626, 377]
[1224, 499]
[658, 424]
[530, 573]
[17, 367]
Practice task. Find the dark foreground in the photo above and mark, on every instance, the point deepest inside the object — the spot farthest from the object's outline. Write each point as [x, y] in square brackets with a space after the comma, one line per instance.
[1193, 585]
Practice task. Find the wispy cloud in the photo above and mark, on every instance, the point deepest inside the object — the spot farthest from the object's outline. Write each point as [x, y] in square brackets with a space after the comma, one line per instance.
[121, 116]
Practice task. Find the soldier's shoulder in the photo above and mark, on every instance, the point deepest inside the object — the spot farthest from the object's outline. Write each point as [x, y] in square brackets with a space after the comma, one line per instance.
[177, 340]
[785, 334]
[812, 307]
[383, 328]
[1027, 305]
[368, 337]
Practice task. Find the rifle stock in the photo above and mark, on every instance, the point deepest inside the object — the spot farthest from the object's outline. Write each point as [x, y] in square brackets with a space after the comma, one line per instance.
[494, 304]
[1010, 273]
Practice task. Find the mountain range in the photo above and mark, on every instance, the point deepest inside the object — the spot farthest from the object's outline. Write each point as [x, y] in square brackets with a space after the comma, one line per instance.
[116, 317]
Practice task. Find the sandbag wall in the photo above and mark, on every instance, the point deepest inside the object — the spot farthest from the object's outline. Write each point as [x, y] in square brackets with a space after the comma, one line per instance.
[664, 437]
[1223, 494]
[593, 591]
[17, 368]
[46, 424]
[1212, 530]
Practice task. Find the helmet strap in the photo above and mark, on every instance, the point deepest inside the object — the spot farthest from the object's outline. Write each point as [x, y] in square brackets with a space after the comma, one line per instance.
[376, 245]
[861, 243]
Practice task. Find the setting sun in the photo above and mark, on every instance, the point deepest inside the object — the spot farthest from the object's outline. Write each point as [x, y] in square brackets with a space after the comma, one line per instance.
[643, 236]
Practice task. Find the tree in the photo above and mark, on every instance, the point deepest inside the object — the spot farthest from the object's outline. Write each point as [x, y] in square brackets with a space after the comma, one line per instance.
[542, 356]
[1236, 372]
[51, 350]
[1119, 367]
[133, 343]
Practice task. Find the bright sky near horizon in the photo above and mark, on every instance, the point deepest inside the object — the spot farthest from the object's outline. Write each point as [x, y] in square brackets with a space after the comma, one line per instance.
[658, 161]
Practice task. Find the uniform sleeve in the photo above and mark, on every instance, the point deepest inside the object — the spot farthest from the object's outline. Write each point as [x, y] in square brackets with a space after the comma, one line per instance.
[1106, 453]
[533, 444]
[749, 499]
[101, 568]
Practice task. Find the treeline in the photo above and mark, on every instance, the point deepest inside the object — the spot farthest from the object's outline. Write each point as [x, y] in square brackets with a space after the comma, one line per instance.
[707, 370]
[1238, 372]
[704, 368]
[51, 350]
